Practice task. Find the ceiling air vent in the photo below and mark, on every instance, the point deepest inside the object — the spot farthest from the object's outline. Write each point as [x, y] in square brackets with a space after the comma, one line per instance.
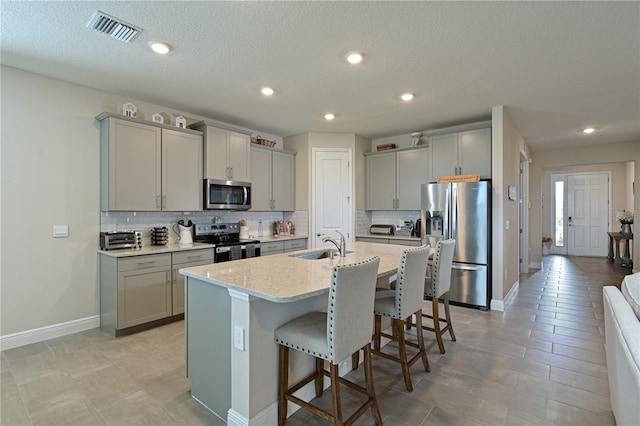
[114, 27]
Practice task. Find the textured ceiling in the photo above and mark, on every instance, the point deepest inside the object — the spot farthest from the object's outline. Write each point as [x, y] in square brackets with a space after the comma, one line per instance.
[557, 66]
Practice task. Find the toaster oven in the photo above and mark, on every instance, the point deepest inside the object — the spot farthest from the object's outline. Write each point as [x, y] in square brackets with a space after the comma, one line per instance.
[117, 240]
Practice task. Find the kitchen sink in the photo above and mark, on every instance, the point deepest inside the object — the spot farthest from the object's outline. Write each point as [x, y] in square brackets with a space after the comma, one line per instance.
[318, 254]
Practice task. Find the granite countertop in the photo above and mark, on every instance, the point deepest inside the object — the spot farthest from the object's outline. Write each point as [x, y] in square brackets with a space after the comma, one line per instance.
[270, 238]
[170, 248]
[283, 278]
[149, 249]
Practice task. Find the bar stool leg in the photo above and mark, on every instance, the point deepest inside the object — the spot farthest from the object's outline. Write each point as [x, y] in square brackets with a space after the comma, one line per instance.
[320, 376]
[377, 340]
[398, 326]
[436, 324]
[425, 360]
[447, 315]
[368, 373]
[283, 385]
[335, 394]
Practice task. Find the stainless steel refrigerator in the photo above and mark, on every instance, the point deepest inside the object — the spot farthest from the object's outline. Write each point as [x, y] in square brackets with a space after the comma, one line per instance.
[462, 211]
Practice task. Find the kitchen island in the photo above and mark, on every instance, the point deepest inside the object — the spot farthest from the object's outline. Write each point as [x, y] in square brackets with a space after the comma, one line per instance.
[233, 309]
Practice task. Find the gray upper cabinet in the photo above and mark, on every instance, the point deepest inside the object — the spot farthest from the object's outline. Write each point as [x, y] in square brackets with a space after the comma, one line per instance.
[226, 153]
[272, 179]
[149, 167]
[181, 171]
[394, 179]
[463, 152]
[381, 181]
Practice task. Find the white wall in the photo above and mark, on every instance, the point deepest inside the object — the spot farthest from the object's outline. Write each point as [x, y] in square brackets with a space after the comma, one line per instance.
[506, 144]
[630, 178]
[50, 176]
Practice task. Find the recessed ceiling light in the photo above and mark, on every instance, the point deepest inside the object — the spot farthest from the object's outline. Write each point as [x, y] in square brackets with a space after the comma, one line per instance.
[160, 47]
[589, 130]
[329, 116]
[354, 58]
[267, 91]
[407, 96]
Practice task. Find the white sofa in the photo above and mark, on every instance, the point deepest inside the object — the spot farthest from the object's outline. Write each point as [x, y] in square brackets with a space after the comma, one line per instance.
[622, 345]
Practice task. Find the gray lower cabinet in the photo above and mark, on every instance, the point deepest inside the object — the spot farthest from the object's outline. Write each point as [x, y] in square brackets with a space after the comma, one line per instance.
[181, 260]
[275, 247]
[139, 290]
[144, 289]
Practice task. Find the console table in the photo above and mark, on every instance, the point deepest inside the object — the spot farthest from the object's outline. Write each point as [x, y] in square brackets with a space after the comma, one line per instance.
[620, 263]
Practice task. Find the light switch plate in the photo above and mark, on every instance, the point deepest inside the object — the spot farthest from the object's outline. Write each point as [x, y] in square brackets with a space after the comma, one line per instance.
[60, 231]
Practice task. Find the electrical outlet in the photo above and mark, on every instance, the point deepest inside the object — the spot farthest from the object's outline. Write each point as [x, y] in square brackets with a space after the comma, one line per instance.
[238, 337]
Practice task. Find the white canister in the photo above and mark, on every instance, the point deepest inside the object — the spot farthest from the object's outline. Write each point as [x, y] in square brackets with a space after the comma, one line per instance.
[244, 232]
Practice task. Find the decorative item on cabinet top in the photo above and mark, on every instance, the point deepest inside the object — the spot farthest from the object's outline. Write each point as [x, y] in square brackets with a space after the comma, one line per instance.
[181, 122]
[105, 115]
[386, 146]
[262, 141]
[129, 110]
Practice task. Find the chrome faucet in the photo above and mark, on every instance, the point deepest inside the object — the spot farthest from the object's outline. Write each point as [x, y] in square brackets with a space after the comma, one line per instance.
[341, 246]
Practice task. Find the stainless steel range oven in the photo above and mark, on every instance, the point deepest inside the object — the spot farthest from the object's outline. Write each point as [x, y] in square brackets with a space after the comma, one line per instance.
[226, 238]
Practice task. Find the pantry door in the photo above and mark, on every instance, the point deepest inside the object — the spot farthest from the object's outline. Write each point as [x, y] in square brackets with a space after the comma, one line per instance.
[587, 214]
[332, 208]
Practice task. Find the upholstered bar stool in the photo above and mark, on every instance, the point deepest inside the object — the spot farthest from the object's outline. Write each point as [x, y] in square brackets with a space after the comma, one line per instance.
[402, 302]
[333, 336]
[437, 286]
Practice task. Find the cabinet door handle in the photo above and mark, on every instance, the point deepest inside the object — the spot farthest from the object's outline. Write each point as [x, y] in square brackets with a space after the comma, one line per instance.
[164, 201]
[230, 172]
[157, 201]
[150, 262]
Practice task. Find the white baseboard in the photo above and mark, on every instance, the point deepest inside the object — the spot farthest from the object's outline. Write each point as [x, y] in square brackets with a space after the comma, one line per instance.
[36, 335]
[498, 305]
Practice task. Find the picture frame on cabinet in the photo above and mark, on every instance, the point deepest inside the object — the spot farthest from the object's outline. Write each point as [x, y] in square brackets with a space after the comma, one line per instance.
[157, 118]
[181, 122]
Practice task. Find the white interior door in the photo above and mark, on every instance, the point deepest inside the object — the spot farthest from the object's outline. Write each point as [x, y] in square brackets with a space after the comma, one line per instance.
[332, 199]
[587, 214]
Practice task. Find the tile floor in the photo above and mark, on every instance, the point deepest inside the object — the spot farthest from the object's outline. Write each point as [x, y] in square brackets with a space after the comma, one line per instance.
[540, 362]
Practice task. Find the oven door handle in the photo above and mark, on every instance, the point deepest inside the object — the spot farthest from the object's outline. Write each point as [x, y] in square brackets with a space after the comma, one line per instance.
[223, 249]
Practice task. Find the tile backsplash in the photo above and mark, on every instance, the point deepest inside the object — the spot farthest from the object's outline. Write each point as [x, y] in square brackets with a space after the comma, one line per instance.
[144, 221]
[365, 218]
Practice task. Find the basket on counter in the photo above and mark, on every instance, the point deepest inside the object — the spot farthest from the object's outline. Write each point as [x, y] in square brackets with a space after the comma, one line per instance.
[386, 146]
[262, 141]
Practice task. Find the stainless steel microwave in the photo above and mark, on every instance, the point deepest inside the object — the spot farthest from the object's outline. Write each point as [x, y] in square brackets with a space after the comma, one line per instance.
[227, 195]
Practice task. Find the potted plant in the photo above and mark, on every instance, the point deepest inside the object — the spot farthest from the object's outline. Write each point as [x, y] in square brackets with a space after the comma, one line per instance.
[547, 242]
[626, 219]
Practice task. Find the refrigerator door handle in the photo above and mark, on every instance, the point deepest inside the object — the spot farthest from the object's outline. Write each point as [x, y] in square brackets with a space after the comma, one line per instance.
[467, 268]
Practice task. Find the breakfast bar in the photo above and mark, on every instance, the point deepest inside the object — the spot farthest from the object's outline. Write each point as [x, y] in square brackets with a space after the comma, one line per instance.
[232, 311]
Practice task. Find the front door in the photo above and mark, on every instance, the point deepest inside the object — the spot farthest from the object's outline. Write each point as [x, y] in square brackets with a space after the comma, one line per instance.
[587, 214]
[332, 200]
